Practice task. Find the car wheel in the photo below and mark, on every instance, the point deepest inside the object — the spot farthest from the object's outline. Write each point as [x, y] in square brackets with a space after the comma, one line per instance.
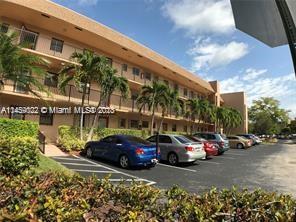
[173, 159]
[124, 161]
[240, 146]
[89, 152]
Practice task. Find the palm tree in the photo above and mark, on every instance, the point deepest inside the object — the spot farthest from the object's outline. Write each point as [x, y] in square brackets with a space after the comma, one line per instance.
[153, 96]
[235, 119]
[88, 67]
[228, 118]
[109, 82]
[205, 109]
[171, 102]
[193, 112]
[17, 66]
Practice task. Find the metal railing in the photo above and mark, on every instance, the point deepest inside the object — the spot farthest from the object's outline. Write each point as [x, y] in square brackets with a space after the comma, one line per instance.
[41, 139]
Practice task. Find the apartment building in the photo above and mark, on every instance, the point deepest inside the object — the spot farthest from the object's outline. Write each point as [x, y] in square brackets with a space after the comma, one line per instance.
[55, 32]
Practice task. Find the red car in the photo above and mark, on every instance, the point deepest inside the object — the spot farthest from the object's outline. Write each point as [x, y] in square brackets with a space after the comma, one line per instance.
[210, 148]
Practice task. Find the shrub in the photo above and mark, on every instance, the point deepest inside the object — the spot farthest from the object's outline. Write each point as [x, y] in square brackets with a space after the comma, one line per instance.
[18, 128]
[18, 154]
[68, 139]
[57, 197]
[101, 133]
[176, 133]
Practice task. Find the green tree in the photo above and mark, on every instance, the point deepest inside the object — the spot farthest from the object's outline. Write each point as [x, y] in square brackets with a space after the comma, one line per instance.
[88, 67]
[18, 66]
[108, 83]
[193, 112]
[153, 96]
[171, 102]
[228, 118]
[266, 116]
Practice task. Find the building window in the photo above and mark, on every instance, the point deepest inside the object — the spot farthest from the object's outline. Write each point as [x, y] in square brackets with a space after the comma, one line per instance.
[15, 114]
[4, 27]
[81, 86]
[28, 39]
[102, 123]
[174, 127]
[122, 123]
[109, 61]
[145, 124]
[176, 87]
[136, 71]
[185, 128]
[166, 82]
[147, 75]
[164, 126]
[46, 118]
[135, 124]
[192, 96]
[185, 92]
[56, 45]
[156, 78]
[51, 79]
[124, 67]
[21, 87]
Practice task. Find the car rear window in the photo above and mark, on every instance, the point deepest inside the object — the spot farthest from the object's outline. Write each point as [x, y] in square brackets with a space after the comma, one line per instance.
[137, 140]
[183, 139]
[223, 136]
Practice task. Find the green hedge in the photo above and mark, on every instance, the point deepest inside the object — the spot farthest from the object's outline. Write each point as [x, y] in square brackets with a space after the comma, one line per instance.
[56, 197]
[101, 133]
[68, 139]
[18, 154]
[174, 133]
[18, 128]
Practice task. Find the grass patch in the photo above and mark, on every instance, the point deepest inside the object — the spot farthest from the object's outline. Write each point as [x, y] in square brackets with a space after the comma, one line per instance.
[47, 164]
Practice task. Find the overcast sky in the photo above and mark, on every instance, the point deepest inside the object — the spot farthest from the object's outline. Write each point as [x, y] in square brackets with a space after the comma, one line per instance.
[200, 36]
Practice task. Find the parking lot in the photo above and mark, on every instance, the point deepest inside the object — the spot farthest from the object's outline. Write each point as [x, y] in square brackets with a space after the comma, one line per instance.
[251, 168]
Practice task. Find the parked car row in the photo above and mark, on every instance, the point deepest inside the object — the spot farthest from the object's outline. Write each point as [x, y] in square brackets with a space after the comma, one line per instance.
[129, 150]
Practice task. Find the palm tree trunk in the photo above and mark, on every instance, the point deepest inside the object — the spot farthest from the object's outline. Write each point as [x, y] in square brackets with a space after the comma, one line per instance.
[152, 122]
[160, 124]
[91, 132]
[82, 111]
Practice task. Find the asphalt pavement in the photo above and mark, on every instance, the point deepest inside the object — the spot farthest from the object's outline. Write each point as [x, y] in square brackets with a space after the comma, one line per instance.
[236, 167]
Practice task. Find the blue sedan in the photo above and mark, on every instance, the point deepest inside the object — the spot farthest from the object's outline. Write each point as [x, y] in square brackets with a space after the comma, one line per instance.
[124, 149]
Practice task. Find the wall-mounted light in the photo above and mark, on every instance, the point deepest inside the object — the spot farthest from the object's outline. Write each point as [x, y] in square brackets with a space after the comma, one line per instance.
[78, 28]
[44, 15]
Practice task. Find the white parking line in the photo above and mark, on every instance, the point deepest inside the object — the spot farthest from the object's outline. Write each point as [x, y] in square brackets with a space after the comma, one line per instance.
[79, 164]
[115, 171]
[130, 180]
[93, 171]
[179, 168]
[65, 158]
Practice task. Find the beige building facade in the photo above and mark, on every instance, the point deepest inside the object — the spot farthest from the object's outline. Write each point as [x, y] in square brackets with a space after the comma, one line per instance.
[55, 32]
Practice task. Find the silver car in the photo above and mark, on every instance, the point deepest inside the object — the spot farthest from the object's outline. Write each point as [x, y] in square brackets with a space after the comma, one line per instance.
[178, 148]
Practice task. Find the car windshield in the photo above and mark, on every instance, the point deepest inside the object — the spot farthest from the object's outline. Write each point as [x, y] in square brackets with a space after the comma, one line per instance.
[183, 139]
[137, 140]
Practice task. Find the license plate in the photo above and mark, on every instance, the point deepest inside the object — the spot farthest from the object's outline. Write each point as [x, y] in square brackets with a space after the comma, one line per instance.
[154, 161]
